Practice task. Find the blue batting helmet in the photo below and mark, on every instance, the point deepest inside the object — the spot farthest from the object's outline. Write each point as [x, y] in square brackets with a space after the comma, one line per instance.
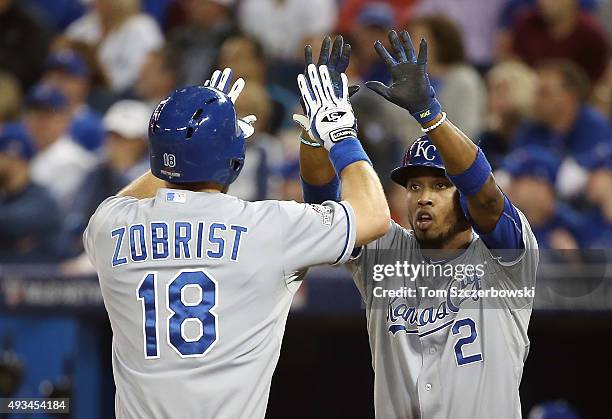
[422, 153]
[194, 136]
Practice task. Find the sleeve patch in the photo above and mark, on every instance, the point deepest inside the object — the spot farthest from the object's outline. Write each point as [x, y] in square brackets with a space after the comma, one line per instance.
[326, 213]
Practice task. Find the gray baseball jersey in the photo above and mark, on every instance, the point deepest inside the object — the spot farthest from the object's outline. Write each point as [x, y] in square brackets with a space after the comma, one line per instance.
[454, 346]
[197, 287]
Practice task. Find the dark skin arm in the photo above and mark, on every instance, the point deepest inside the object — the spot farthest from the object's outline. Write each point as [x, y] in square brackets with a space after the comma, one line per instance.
[458, 153]
[315, 167]
[412, 91]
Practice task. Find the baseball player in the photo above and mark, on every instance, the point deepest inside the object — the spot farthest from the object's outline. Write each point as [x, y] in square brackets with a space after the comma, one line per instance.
[198, 283]
[447, 301]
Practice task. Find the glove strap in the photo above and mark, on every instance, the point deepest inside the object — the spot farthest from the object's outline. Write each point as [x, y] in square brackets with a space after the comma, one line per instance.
[430, 113]
[346, 152]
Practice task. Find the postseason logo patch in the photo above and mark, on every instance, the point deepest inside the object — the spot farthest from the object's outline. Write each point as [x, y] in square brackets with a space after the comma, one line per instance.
[325, 212]
[178, 197]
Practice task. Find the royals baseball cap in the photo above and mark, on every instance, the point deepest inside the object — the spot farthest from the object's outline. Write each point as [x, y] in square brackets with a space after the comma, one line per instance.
[422, 153]
[67, 61]
[16, 146]
[45, 97]
[128, 118]
[376, 14]
[533, 161]
[597, 157]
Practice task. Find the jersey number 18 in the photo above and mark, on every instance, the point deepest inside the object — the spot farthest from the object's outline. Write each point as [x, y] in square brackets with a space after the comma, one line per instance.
[201, 312]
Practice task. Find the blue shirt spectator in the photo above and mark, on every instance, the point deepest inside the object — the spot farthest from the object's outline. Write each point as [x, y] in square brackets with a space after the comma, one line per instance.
[514, 8]
[24, 42]
[30, 222]
[597, 233]
[563, 220]
[596, 203]
[589, 133]
[57, 14]
[533, 170]
[373, 23]
[125, 158]
[562, 121]
[67, 71]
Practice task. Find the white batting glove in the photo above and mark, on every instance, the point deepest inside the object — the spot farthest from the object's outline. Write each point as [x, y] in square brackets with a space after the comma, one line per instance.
[221, 81]
[331, 118]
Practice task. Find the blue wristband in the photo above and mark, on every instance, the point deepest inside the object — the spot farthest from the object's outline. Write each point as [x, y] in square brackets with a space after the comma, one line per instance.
[429, 114]
[346, 152]
[471, 181]
[314, 194]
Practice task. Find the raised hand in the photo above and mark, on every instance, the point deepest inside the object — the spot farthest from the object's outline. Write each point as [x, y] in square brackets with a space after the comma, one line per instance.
[221, 81]
[337, 61]
[330, 115]
[410, 87]
[336, 57]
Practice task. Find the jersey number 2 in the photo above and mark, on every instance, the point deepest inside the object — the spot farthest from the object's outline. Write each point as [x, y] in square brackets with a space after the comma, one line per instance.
[461, 358]
[200, 312]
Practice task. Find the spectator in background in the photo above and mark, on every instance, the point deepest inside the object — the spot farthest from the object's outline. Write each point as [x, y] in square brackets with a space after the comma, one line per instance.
[514, 9]
[511, 89]
[125, 158]
[559, 29]
[263, 154]
[283, 26]
[596, 203]
[557, 409]
[533, 171]
[123, 36]
[458, 85]
[10, 99]
[68, 72]
[291, 184]
[373, 22]
[158, 77]
[565, 124]
[349, 12]
[23, 43]
[604, 13]
[57, 14]
[477, 20]
[59, 163]
[209, 23]
[29, 218]
[245, 57]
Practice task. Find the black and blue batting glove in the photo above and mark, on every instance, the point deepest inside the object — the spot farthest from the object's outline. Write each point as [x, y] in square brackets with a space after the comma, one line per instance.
[410, 88]
[337, 61]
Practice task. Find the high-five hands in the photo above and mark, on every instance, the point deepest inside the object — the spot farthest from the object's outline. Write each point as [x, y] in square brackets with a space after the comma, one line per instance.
[336, 57]
[410, 87]
[330, 115]
[222, 81]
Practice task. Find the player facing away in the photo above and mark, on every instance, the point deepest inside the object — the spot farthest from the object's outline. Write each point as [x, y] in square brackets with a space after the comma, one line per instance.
[198, 283]
[451, 354]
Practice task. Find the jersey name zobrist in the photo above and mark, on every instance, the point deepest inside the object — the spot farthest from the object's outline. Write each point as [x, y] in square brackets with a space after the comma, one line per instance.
[179, 240]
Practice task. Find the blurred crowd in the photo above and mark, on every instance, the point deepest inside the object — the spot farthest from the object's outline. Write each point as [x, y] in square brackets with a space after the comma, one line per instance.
[530, 81]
